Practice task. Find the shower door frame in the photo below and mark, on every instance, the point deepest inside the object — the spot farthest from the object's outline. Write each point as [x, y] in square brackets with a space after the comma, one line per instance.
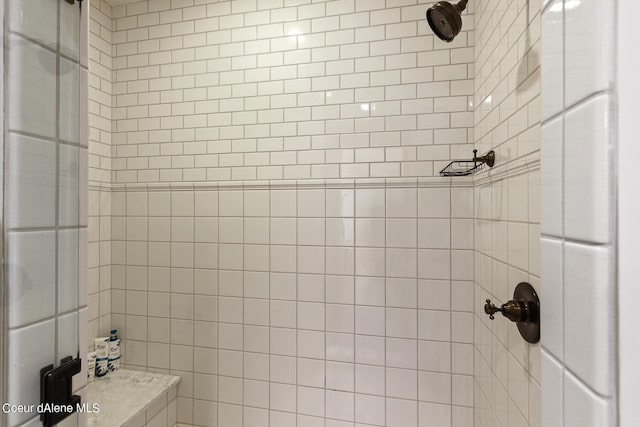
[628, 88]
[76, 61]
[3, 332]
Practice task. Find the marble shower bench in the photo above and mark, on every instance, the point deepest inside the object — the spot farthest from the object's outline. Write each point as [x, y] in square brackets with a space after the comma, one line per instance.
[133, 399]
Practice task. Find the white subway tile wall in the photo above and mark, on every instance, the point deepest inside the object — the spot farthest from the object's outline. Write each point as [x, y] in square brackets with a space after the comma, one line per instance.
[285, 304]
[45, 183]
[311, 299]
[100, 92]
[578, 234]
[300, 304]
[99, 263]
[99, 230]
[507, 208]
[254, 90]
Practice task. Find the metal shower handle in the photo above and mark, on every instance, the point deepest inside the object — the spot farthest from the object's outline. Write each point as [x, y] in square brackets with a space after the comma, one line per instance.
[523, 310]
[516, 311]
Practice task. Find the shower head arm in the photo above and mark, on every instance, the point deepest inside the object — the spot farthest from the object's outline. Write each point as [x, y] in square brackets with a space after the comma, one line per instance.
[462, 5]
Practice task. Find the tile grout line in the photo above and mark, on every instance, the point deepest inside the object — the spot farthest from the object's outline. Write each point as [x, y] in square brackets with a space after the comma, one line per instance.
[269, 201]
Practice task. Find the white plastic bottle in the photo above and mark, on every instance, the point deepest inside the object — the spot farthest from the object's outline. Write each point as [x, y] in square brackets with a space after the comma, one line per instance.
[91, 365]
[102, 356]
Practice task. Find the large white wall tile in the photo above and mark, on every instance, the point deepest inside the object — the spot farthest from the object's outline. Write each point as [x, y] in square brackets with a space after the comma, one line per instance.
[588, 196]
[32, 102]
[589, 316]
[72, 79]
[552, 74]
[34, 21]
[31, 271]
[552, 399]
[31, 181]
[552, 295]
[582, 407]
[71, 30]
[72, 209]
[72, 263]
[552, 186]
[68, 333]
[588, 52]
[25, 364]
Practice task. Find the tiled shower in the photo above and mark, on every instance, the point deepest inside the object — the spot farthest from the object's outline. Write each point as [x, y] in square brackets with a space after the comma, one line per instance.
[271, 242]
[257, 186]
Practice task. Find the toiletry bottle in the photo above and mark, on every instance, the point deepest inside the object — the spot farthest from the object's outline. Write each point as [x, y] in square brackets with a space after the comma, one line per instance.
[102, 356]
[91, 365]
[114, 351]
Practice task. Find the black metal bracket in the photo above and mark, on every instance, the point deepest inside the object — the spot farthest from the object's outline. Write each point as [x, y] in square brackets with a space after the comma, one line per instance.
[523, 309]
[56, 392]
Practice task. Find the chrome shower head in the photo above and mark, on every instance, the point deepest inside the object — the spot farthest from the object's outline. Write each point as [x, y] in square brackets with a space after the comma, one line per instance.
[445, 19]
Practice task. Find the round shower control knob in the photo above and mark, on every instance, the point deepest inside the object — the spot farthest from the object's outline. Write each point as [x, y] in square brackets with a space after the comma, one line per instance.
[523, 309]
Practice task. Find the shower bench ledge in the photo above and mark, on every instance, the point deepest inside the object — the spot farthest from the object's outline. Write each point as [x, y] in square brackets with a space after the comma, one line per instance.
[132, 398]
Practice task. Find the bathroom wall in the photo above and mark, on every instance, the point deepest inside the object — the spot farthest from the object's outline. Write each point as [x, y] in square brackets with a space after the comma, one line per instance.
[579, 143]
[301, 302]
[507, 207]
[248, 90]
[99, 228]
[287, 296]
[45, 197]
[259, 92]
[100, 92]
